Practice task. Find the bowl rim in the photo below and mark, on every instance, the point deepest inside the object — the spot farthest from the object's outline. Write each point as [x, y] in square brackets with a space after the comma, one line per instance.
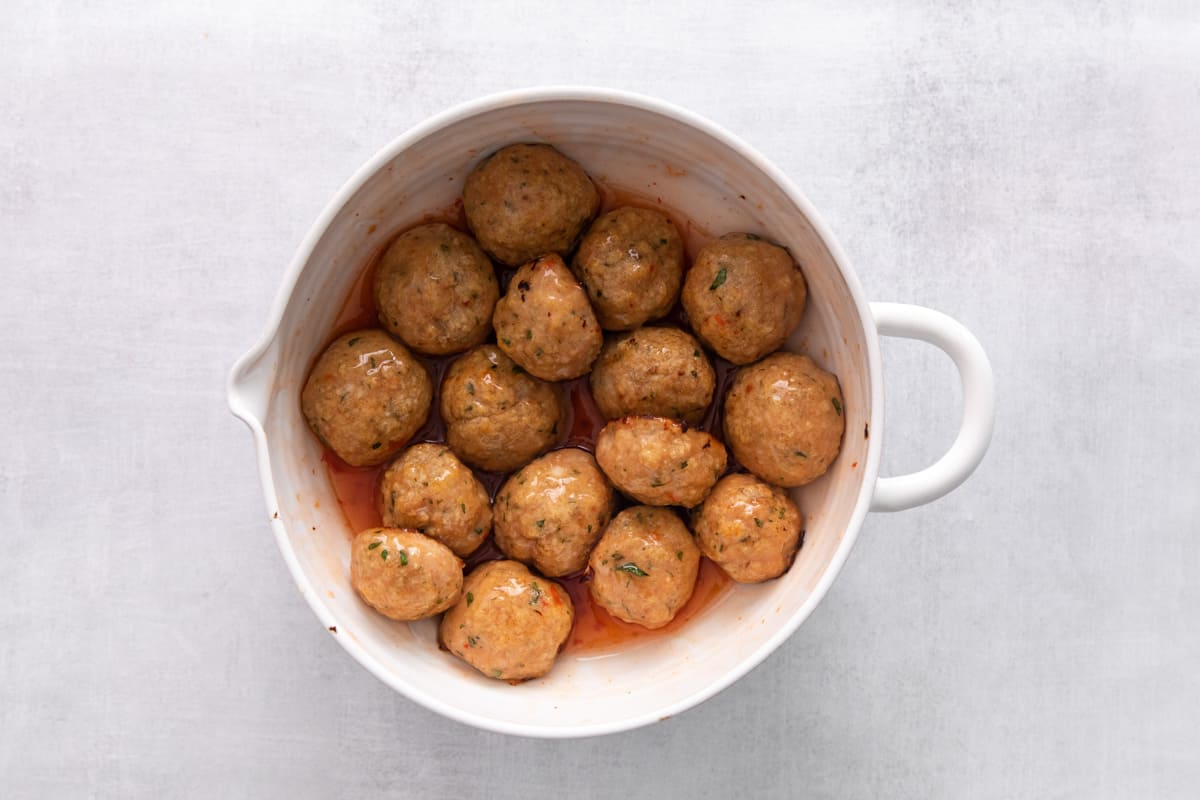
[244, 408]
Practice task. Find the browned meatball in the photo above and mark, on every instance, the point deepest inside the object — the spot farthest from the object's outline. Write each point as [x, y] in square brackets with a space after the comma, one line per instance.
[527, 200]
[430, 490]
[749, 528]
[436, 290]
[659, 461]
[552, 512]
[509, 624]
[404, 575]
[744, 296]
[784, 418]
[544, 321]
[631, 261]
[656, 371]
[497, 416]
[644, 567]
[366, 396]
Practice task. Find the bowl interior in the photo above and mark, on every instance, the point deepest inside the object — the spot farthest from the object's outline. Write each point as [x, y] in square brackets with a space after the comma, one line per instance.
[694, 174]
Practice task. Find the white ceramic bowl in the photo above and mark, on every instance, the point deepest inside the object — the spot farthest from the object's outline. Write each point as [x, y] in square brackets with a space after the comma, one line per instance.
[655, 150]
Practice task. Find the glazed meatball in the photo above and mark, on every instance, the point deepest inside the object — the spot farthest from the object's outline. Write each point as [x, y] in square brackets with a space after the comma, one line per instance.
[656, 371]
[366, 396]
[509, 623]
[403, 574]
[497, 416]
[551, 513]
[644, 567]
[631, 261]
[784, 418]
[744, 296]
[749, 528]
[435, 289]
[544, 321]
[430, 490]
[659, 461]
[527, 200]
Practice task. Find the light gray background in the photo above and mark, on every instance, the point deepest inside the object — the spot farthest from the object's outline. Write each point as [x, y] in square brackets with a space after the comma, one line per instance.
[1033, 171]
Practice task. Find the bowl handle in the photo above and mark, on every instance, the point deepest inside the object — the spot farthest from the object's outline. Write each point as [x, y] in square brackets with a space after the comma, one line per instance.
[979, 405]
[248, 388]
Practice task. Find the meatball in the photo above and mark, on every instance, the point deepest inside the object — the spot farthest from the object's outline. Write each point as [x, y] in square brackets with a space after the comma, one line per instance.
[744, 296]
[403, 574]
[644, 568]
[526, 200]
[784, 418]
[435, 289]
[429, 489]
[552, 512]
[749, 528]
[509, 624]
[659, 461]
[497, 416]
[544, 321]
[631, 261]
[656, 371]
[366, 396]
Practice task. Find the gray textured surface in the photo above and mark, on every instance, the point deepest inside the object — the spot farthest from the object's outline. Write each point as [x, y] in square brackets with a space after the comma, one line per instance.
[1033, 171]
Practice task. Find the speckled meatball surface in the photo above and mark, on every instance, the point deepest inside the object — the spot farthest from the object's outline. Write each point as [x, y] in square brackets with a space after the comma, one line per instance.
[644, 568]
[366, 396]
[784, 419]
[497, 416]
[659, 461]
[544, 321]
[749, 528]
[527, 200]
[744, 296]
[631, 261]
[403, 574]
[509, 624]
[551, 513]
[436, 289]
[429, 490]
[655, 371]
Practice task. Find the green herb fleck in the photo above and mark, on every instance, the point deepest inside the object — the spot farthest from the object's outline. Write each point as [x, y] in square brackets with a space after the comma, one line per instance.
[470, 598]
[540, 523]
[376, 445]
[463, 506]
[754, 237]
[506, 340]
[403, 558]
[354, 341]
[800, 453]
[472, 640]
[445, 248]
[373, 362]
[679, 554]
[758, 522]
[657, 482]
[535, 593]
[633, 569]
[528, 333]
[496, 673]
[717, 281]
[470, 387]
[837, 406]
[383, 554]
[662, 241]
[373, 545]
[683, 465]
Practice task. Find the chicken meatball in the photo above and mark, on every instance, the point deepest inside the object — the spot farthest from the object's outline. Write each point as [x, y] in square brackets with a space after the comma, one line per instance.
[497, 416]
[656, 371]
[366, 396]
[435, 289]
[784, 419]
[551, 513]
[631, 261]
[430, 490]
[403, 574]
[644, 568]
[659, 461]
[544, 321]
[744, 296]
[749, 528]
[527, 200]
[509, 624]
